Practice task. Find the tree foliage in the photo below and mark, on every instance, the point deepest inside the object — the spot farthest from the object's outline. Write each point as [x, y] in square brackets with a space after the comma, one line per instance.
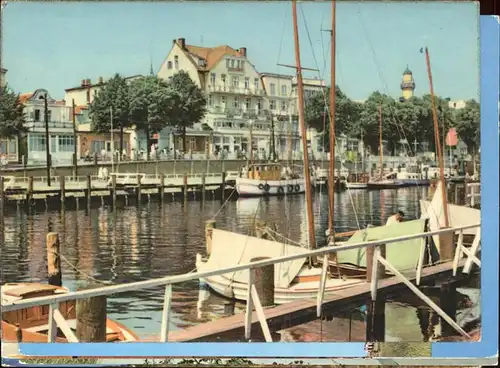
[190, 103]
[410, 120]
[12, 117]
[113, 99]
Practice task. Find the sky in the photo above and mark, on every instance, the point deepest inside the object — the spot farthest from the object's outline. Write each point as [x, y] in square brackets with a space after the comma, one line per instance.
[56, 44]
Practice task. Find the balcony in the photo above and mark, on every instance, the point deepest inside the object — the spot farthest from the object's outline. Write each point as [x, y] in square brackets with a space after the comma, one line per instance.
[234, 90]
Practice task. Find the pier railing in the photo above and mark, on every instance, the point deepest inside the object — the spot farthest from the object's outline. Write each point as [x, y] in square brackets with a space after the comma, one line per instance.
[57, 320]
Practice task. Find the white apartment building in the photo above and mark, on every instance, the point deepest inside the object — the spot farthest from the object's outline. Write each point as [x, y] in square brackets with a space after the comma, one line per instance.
[33, 143]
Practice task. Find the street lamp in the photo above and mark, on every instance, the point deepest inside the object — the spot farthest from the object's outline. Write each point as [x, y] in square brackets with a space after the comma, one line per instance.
[47, 137]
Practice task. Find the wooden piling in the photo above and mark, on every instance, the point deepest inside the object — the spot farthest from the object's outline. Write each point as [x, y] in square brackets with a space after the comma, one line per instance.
[113, 184]
[264, 282]
[209, 226]
[139, 189]
[448, 303]
[89, 191]
[375, 320]
[54, 259]
[185, 188]
[161, 188]
[446, 246]
[203, 185]
[29, 192]
[223, 186]
[91, 318]
[62, 189]
[2, 195]
[369, 263]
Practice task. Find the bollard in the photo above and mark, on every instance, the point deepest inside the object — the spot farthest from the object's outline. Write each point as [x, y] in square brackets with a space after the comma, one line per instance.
[53, 259]
[185, 188]
[91, 318]
[264, 282]
[161, 188]
[139, 188]
[203, 184]
[209, 226]
[2, 195]
[29, 193]
[223, 186]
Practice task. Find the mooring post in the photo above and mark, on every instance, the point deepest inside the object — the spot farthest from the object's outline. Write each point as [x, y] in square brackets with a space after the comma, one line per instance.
[446, 245]
[2, 195]
[54, 259]
[91, 318]
[210, 225]
[264, 282]
[203, 182]
[223, 186]
[375, 318]
[448, 303]
[29, 192]
[89, 191]
[185, 188]
[62, 189]
[139, 188]
[113, 184]
[161, 188]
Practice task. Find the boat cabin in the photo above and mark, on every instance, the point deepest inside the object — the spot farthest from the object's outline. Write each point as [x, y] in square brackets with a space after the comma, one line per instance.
[264, 171]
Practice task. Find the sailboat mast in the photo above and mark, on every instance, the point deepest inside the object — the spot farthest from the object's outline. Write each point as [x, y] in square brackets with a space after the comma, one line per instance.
[381, 155]
[438, 140]
[300, 92]
[331, 181]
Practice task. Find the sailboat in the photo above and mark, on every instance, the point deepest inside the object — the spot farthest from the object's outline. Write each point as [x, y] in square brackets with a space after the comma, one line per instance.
[299, 279]
[358, 180]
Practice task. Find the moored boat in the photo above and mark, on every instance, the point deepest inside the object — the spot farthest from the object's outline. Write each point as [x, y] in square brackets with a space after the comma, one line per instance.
[31, 324]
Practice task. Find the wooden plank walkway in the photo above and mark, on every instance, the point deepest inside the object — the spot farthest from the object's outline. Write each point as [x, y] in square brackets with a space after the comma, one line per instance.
[301, 311]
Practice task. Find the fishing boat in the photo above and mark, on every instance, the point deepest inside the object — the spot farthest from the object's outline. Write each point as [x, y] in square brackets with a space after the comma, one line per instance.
[31, 324]
[271, 179]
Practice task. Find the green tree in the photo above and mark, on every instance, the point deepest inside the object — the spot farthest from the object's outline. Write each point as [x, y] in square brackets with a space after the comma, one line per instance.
[12, 117]
[467, 123]
[114, 96]
[152, 103]
[190, 104]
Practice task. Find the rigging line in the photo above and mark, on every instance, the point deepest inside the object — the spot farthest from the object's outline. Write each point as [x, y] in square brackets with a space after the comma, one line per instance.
[324, 94]
[382, 79]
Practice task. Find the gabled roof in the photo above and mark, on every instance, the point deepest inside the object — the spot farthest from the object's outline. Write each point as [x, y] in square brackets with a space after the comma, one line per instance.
[211, 55]
[24, 97]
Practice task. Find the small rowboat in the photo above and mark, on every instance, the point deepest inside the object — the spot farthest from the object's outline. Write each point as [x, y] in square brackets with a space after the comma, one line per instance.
[31, 324]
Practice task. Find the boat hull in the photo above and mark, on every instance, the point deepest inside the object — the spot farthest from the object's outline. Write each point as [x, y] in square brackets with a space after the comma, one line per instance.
[399, 183]
[356, 185]
[256, 188]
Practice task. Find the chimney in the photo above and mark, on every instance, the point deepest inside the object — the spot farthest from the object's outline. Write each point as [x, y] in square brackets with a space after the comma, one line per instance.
[83, 82]
[243, 51]
[88, 82]
[101, 80]
[182, 43]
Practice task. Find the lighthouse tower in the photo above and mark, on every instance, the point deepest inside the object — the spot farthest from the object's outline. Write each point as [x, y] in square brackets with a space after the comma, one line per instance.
[407, 84]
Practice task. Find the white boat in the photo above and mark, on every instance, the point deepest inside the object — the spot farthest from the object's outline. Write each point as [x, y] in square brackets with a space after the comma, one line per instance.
[356, 185]
[269, 179]
[295, 280]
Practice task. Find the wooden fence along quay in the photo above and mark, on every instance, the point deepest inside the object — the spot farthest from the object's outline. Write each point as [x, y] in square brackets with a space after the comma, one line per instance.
[273, 318]
[127, 186]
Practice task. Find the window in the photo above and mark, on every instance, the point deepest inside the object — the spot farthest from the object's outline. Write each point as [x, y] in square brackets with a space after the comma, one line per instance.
[97, 146]
[236, 82]
[238, 64]
[273, 89]
[12, 146]
[236, 102]
[169, 65]
[66, 143]
[283, 105]
[242, 64]
[247, 82]
[227, 63]
[212, 78]
[37, 115]
[272, 105]
[37, 143]
[247, 103]
[232, 63]
[49, 115]
[259, 105]
[223, 100]
[176, 62]
[283, 90]
[256, 83]
[53, 143]
[223, 78]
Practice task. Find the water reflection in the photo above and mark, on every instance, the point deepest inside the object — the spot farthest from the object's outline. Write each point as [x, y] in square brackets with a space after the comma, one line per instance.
[140, 243]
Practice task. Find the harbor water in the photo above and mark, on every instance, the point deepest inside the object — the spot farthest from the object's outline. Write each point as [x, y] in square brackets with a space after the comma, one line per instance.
[139, 243]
